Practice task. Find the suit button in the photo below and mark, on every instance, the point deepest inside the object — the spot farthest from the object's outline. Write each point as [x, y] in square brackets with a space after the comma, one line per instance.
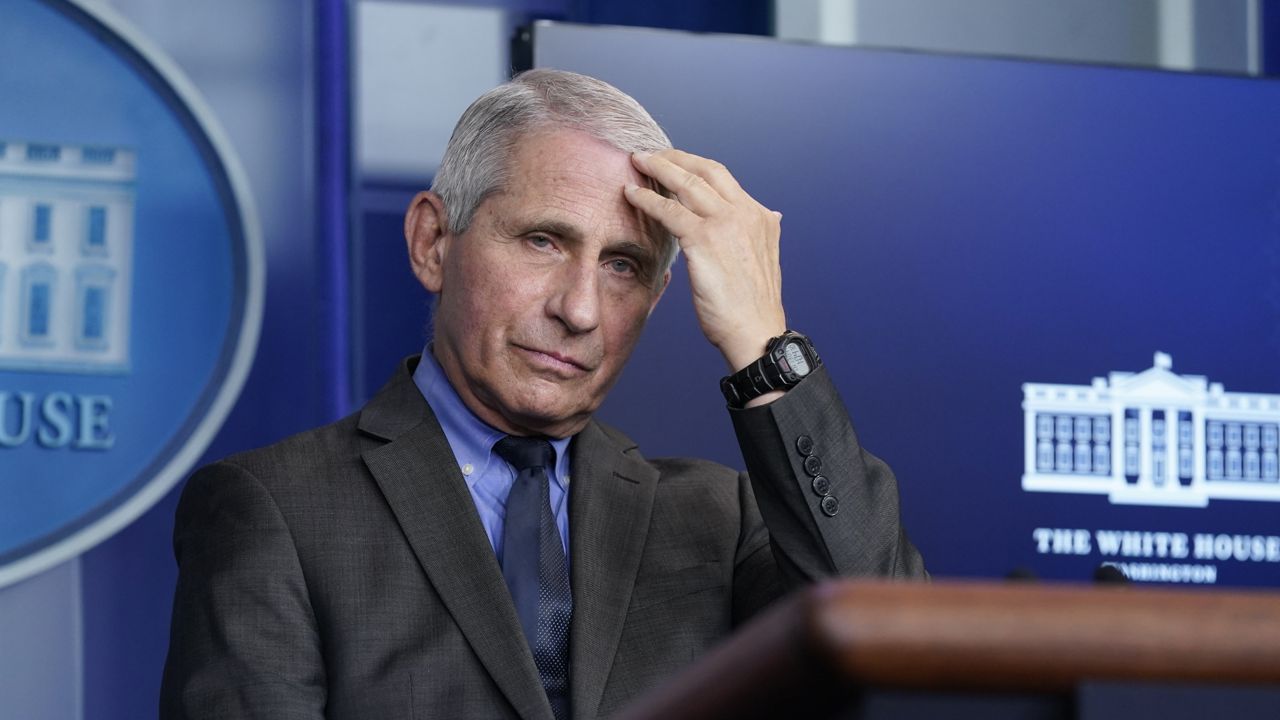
[813, 465]
[804, 444]
[821, 485]
[830, 506]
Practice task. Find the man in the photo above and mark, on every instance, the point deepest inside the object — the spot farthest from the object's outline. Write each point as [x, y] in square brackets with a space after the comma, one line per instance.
[471, 543]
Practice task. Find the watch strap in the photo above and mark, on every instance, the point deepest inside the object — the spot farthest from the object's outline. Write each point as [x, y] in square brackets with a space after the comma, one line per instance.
[766, 372]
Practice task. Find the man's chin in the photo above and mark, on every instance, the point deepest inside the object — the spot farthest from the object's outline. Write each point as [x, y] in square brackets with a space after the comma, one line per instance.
[551, 419]
[555, 426]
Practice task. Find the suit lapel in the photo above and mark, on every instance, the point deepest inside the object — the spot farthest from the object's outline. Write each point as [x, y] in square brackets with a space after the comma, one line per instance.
[610, 501]
[419, 477]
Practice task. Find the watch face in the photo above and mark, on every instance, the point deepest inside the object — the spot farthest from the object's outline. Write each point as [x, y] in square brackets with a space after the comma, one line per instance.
[796, 359]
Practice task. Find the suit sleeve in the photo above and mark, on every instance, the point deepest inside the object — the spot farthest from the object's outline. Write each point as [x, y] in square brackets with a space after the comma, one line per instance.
[858, 532]
[243, 643]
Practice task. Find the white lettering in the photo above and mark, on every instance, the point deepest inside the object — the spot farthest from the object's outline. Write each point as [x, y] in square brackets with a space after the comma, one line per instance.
[1130, 543]
[1108, 541]
[1204, 546]
[23, 430]
[1222, 547]
[55, 411]
[58, 420]
[1243, 548]
[1062, 541]
[1042, 536]
[1169, 573]
[1081, 544]
[94, 433]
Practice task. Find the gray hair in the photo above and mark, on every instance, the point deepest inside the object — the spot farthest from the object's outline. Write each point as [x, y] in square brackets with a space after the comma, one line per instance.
[476, 162]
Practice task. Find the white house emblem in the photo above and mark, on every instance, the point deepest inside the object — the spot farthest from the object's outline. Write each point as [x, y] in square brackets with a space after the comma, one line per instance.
[1152, 438]
[66, 244]
[131, 280]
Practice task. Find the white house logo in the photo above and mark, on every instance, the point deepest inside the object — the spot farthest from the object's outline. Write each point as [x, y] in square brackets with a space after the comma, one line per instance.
[66, 238]
[131, 279]
[1152, 438]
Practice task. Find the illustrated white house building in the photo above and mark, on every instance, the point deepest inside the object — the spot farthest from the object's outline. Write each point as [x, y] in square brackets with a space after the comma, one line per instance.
[66, 250]
[1152, 438]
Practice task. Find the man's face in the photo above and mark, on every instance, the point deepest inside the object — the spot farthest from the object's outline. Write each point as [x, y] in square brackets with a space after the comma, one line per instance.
[543, 298]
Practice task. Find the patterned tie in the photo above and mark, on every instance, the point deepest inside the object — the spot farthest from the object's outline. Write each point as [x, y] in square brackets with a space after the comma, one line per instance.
[534, 567]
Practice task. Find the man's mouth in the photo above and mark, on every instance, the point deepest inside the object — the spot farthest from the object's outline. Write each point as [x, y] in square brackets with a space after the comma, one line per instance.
[555, 360]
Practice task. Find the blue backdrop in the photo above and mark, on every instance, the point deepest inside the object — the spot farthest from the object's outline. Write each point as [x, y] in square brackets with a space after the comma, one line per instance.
[955, 227]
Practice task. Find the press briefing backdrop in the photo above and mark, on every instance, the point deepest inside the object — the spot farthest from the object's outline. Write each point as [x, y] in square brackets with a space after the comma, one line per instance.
[1050, 294]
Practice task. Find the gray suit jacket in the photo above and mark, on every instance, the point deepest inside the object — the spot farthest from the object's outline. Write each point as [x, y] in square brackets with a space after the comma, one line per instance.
[344, 572]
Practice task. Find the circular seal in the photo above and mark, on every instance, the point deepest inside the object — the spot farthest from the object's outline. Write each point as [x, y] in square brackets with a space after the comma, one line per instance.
[131, 279]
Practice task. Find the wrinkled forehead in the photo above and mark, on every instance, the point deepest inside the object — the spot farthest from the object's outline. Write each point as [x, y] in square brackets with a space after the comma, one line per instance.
[578, 177]
[565, 150]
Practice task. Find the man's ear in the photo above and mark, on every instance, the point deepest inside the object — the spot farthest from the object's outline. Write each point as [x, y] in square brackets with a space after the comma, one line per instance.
[666, 280]
[427, 237]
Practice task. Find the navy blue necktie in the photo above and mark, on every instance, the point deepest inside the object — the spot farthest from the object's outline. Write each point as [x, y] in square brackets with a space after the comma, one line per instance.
[534, 566]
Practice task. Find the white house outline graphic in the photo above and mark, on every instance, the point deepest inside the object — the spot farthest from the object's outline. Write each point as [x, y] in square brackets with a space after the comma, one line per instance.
[1152, 438]
[66, 256]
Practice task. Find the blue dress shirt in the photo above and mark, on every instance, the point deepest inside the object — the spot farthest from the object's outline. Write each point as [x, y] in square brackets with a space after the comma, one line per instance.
[488, 477]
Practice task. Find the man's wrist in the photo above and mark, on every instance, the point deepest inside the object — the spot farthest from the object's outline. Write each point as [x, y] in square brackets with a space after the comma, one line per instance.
[764, 399]
[787, 359]
[748, 348]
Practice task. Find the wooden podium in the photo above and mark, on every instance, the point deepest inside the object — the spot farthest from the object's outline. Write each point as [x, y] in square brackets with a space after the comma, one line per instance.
[819, 651]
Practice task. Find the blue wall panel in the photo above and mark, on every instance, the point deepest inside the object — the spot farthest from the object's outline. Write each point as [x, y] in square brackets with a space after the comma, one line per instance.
[260, 92]
[956, 227]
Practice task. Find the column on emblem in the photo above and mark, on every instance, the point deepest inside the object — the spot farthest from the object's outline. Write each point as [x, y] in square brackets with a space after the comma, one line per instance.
[1199, 446]
[1252, 452]
[1216, 456]
[1064, 454]
[1270, 461]
[1083, 462]
[1044, 442]
[1118, 444]
[1132, 436]
[1176, 472]
[1159, 448]
[1235, 458]
[1102, 445]
[1185, 447]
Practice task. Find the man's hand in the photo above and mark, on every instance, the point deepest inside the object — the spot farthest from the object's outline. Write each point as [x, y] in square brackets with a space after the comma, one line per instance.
[730, 242]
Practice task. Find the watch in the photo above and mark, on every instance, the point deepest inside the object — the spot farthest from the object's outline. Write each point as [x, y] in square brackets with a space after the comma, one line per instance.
[788, 359]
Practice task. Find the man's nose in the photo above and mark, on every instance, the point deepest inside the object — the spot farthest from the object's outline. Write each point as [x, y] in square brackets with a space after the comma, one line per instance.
[576, 301]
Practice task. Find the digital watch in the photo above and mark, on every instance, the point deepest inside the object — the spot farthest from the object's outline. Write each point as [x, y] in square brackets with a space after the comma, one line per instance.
[788, 359]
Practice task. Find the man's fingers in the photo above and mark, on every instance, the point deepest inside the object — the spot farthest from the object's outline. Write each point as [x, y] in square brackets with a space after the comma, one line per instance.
[713, 172]
[693, 190]
[675, 217]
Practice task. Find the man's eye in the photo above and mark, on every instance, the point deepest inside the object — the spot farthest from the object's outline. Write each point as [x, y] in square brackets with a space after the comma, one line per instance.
[622, 266]
[540, 241]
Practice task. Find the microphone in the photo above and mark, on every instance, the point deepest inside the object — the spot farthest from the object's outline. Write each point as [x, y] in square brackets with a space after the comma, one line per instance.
[1109, 575]
[1022, 573]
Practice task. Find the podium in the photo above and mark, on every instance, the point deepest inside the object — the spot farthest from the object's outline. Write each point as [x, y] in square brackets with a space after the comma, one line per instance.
[829, 650]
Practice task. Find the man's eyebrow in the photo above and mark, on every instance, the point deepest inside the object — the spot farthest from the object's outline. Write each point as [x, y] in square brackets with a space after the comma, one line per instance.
[631, 248]
[640, 251]
[550, 227]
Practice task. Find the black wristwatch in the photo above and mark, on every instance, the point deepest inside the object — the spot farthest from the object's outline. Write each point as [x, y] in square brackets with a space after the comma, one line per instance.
[788, 359]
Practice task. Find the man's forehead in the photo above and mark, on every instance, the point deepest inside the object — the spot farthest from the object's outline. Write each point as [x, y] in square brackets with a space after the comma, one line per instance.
[571, 151]
[572, 184]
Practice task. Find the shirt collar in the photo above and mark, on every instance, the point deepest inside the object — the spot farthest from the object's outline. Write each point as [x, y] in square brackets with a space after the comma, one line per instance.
[470, 438]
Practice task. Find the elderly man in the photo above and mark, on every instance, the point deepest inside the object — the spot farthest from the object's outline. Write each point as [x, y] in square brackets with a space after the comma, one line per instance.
[471, 543]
